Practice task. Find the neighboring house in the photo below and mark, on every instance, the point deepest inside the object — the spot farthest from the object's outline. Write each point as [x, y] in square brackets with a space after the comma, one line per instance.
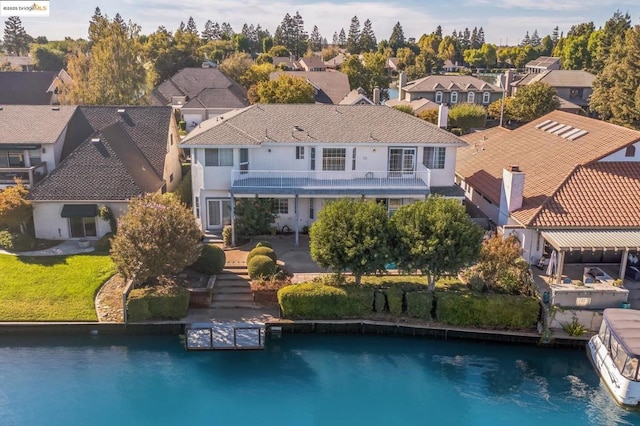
[418, 105]
[574, 87]
[449, 90]
[121, 152]
[358, 97]
[393, 65]
[285, 63]
[564, 180]
[315, 63]
[335, 62]
[31, 141]
[27, 88]
[542, 64]
[303, 156]
[200, 94]
[330, 87]
[449, 66]
[18, 62]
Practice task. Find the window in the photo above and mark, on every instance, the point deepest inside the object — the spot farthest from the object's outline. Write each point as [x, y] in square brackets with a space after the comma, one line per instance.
[454, 97]
[197, 205]
[171, 138]
[12, 159]
[81, 227]
[244, 160]
[631, 151]
[486, 97]
[471, 97]
[34, 157]
[299, 152]
[353, 160]
[575, 93]
[218, 157]
[433, 157]
[312, 208]
[333, 158]
[171, 177]
[313, 158]
[439, 97]
[281, 206]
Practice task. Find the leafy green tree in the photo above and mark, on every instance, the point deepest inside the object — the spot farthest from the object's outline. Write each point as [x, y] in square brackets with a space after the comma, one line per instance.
[342, 39]
[257, 73]
[47, 58]
[406, 57]
[616, 90]
[368, 75]
[254, 216]
[496, 109]
[15, 208]
[285, 89]
[16, 39]
[367, 40]
[236, 65]
[467, 116]
[279, 51]
[430, 115]
[533, 101]
[498, 258]
[405, 108]
[353, 39]
[353, 235]
[616, 26]
[157, 236]
[397, 40]
[435, 237]
[474, 58]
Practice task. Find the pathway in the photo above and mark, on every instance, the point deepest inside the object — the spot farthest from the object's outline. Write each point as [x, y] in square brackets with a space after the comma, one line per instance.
[65, 248]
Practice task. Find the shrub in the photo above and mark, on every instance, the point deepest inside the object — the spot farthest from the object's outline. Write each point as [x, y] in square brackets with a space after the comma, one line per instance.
[105, 213]
[211, 261]
[319, 301]
[264, 244]
[226, 235]
[6, 240]
[574, 328]
[261, 266]
[184, 191]
[496, 310]
[394, 296]
[159, 302]
[405, 108]
[15, 241]
[419, 304]
[103, 245]
[262, 251]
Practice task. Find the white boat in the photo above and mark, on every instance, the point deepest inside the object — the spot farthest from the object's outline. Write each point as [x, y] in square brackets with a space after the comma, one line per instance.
[614, 353]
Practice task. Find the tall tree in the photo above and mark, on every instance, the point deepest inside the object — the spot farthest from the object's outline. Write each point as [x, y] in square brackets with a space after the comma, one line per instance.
[226, 31]
[436, 237]
[616, 26]
[285, 89]
[353, 39]
[16, 39]
[351, 234]
[300, 41]
[191, 26]
[209, 32]
[368, 40]
[397, 40]
[533, 101]
[342, 38]
[368, 75]
[616, 90]
[97, 24]
[315, 40]
[535, 39]
[555, 36]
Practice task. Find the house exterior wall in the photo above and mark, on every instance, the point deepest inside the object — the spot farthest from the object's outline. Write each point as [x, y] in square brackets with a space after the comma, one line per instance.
[49, 225]
[57, 151]
[446, 97]
[531, 241]
[489, 209]
[621, 155]
[194, 116]
[172, 165]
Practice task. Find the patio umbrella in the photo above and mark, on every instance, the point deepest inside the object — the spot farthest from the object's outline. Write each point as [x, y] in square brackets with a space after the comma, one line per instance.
[551, 269]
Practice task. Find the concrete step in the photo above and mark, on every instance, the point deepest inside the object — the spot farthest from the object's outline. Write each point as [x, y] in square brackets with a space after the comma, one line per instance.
[232, 290]
[225, 297]
[237, 282]
[232, 275]
[232, 305]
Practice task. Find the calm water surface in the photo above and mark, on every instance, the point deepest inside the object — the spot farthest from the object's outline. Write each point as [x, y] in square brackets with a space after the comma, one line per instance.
[298, 380]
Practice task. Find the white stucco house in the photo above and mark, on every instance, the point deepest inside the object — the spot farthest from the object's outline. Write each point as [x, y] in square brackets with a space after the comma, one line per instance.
[304, 156]
[120, 153]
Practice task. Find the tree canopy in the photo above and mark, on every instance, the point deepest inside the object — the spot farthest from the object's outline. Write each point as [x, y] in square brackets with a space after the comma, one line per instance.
[16, 39]
[285, 89]
[368, 75]
[533, 101]
[467, 116]
[15, 208]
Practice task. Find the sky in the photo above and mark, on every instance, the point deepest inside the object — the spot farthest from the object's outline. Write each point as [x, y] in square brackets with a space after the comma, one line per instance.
[504, 21]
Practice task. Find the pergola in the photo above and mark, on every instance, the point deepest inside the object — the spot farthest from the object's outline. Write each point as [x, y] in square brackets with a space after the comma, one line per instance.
[592, 239]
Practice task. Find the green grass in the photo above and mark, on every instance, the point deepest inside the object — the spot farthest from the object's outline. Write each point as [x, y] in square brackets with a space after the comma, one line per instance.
[55, 288]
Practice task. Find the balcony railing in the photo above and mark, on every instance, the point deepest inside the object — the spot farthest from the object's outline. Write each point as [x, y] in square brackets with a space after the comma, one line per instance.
[29, 175]
[328, 180]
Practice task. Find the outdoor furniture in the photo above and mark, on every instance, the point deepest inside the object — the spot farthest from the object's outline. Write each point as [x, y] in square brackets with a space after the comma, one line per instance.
[596, 274]
[633, 273]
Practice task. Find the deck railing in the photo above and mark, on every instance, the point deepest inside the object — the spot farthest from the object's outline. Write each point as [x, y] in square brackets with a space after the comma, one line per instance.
[329, 179]
[28, 175]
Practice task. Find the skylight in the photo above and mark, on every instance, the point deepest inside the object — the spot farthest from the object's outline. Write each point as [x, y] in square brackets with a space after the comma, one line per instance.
[565, 131]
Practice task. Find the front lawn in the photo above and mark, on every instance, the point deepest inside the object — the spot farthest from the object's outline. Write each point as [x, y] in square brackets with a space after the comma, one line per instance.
[52, 288]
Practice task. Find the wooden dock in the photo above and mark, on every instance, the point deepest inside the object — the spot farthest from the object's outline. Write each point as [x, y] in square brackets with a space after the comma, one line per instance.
[215, 336]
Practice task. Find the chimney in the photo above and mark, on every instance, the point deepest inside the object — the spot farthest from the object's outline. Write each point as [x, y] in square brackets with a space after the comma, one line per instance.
[376, 95]
[443, 116]
[402, 81]
[511, 193]
[508, 77]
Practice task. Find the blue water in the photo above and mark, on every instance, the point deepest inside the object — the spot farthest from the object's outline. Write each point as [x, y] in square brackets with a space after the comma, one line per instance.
[299, 380]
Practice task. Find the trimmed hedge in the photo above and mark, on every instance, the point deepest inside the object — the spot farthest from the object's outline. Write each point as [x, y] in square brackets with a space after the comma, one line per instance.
[261, 267]
[262, 251]
[496, 310]
[211, 260]
[103, 245]
[317, 301]
[264, 244]
[166, 303]
[419, 304]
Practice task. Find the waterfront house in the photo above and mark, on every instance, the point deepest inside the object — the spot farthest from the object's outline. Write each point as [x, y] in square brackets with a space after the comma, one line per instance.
[303, 156]
[199, 94]
[564, 181]
[120, 153]
[448, 90]
[574, 87]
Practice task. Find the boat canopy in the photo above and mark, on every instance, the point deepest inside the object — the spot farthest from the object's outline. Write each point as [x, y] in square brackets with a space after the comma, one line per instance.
[625, 326]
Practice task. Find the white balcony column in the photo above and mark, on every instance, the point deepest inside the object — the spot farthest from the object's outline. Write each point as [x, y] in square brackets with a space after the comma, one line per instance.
[297, 225]
[623, 264]
[560, 266]
[233, 221]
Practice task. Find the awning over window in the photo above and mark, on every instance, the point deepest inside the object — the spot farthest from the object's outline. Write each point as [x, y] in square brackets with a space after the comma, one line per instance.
[593, 239]
[79, 210]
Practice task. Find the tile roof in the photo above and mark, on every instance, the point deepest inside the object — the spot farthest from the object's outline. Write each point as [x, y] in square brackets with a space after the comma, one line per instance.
[428, 83]
[26, 88]
[547, 159]
[597, 195]
[560, 78]
[543, 62]
[112, 168]
[203, 87]
[268, 123]
[418, 105]
[313, 62]
[29, 124]
[332, 86]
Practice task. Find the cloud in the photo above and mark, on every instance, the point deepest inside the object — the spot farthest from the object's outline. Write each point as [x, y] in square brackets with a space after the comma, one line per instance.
[552, 5]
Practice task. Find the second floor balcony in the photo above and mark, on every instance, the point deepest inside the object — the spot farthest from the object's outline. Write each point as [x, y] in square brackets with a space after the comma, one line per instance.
[330, 182]
[29, 175]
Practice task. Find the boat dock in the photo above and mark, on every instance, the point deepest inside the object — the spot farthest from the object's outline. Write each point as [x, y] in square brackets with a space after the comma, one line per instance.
[224, 336]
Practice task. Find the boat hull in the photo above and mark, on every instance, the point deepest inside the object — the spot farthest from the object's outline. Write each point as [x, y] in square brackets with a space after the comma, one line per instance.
[624, 391]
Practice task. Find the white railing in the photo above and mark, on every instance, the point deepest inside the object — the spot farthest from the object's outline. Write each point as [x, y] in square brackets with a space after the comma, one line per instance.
[28, 175]
[329, 179]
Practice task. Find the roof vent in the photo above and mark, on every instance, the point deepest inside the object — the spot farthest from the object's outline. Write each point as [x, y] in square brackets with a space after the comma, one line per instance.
[298, 128]
[55, 108]
[1, 108]
[121, 111]
[514, 168]
[95, 140]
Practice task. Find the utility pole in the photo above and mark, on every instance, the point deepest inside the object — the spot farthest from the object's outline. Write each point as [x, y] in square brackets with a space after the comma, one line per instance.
[503, 85]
